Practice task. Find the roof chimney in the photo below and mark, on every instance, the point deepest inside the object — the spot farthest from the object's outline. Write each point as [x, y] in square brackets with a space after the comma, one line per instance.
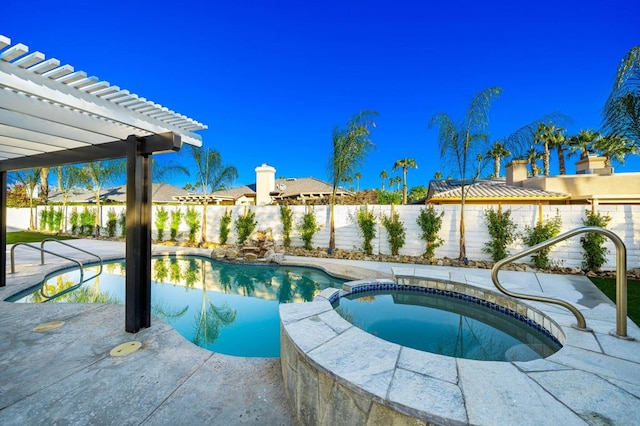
[592, 164]
[516, 172]
[265, 183]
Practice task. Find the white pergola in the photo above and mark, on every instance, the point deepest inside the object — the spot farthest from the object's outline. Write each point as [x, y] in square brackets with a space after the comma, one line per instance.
[51, 114]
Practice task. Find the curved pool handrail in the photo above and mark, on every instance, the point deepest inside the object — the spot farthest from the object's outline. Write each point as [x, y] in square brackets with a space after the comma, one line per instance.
[41, 250]
[621, 277]
[73, 247]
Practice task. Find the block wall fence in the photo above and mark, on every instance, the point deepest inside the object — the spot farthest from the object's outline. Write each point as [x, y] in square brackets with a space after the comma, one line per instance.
[625, 221]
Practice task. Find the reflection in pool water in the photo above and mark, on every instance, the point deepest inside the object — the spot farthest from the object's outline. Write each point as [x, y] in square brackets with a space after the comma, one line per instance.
[445, 325]
[223, 307]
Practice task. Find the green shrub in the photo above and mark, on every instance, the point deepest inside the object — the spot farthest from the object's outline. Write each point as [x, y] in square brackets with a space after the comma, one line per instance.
[112, 223]
[87, 220]
[225, 221]
[430, 223]
[44, 215]
[395, 232]
[539, 233]
[245, 224]
[122, 219]
[308, 227]
[367, 227]
[74, 220]
[57, 219]
[51, 217]
[192, 219]
[502, 231]
[594, 253]
[176, 218]
[286, 217]
[386, 197]
[162, 216]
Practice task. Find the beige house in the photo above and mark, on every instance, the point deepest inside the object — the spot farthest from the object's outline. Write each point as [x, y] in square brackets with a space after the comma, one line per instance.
[269, 190]
[489, 191]
[594, 183]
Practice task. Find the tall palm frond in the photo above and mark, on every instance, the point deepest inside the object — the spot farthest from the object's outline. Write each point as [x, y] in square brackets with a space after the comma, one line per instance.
[350, 148]
[463, 143]
[212, 175]
[622, 109]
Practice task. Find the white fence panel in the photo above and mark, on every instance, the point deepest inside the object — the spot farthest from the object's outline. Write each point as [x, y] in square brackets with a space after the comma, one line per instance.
[625, 221]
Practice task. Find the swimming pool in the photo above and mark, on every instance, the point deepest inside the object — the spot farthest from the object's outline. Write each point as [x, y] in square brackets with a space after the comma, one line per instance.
[224, 307]
[445, 325]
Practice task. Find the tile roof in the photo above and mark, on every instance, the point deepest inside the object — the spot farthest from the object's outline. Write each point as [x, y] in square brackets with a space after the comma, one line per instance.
[161, 193]
[237, 192]
[284, 188]
[288, 188]
[488, 189]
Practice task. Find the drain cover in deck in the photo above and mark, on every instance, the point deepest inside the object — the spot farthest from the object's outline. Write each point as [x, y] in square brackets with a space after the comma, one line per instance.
[126, 348]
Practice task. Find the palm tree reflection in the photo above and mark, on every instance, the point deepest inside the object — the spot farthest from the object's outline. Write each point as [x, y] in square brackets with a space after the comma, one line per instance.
[210, 320]
[165, 310]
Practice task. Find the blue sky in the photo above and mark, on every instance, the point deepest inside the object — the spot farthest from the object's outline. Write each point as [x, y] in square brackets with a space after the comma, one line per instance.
[272, 79]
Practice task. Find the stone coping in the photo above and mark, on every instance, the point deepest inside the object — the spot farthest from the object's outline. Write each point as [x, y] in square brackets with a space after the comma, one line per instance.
[334, 370]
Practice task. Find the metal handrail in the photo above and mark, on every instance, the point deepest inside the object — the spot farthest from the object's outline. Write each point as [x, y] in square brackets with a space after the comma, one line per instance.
[73, 247]
[41, 250]
[621, 278]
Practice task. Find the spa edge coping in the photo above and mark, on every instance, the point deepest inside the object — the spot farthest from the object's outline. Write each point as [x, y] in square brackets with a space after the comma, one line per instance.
[564, 388]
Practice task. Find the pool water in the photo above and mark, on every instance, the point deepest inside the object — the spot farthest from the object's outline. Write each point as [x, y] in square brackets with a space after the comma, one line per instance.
[223, 307]
[445, 325]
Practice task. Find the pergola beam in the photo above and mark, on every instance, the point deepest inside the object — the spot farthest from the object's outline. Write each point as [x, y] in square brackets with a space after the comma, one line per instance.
[163, 142]
[138, 248]
[3, 228]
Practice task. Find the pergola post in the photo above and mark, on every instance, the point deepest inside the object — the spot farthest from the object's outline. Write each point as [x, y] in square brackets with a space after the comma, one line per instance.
[138, 245]
[3, 228]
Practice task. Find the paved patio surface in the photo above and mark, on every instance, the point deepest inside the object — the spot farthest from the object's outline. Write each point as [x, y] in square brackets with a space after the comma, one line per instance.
[66, 375]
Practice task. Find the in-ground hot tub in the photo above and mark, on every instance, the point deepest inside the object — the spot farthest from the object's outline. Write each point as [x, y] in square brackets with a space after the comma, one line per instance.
[445, 323]
[335, 372]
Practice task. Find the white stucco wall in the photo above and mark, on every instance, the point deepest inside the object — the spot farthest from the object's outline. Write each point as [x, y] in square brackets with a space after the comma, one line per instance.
[625, 221]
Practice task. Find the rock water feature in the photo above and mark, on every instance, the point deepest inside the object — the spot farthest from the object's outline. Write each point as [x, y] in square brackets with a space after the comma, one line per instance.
[259, 246]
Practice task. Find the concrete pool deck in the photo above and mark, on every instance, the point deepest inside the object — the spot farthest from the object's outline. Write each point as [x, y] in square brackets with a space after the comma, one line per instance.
[66, 375]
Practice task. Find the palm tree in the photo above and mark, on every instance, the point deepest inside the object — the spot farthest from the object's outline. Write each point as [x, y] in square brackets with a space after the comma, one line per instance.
[96, 175]
[583, 142]
[622, 109]
[437, 175]
[44, 184]
[405, 164]
[58, 172]
[615, 148]
[358, 177]
[350, 147]
[558, 141]
[383, 175]
[397, 180]
[498, 151]
[551, 136]
[533, 155]
[212, 176]
[540, 137]
[67, 177]
[348, 180]
[461, 142]
[29, 180]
